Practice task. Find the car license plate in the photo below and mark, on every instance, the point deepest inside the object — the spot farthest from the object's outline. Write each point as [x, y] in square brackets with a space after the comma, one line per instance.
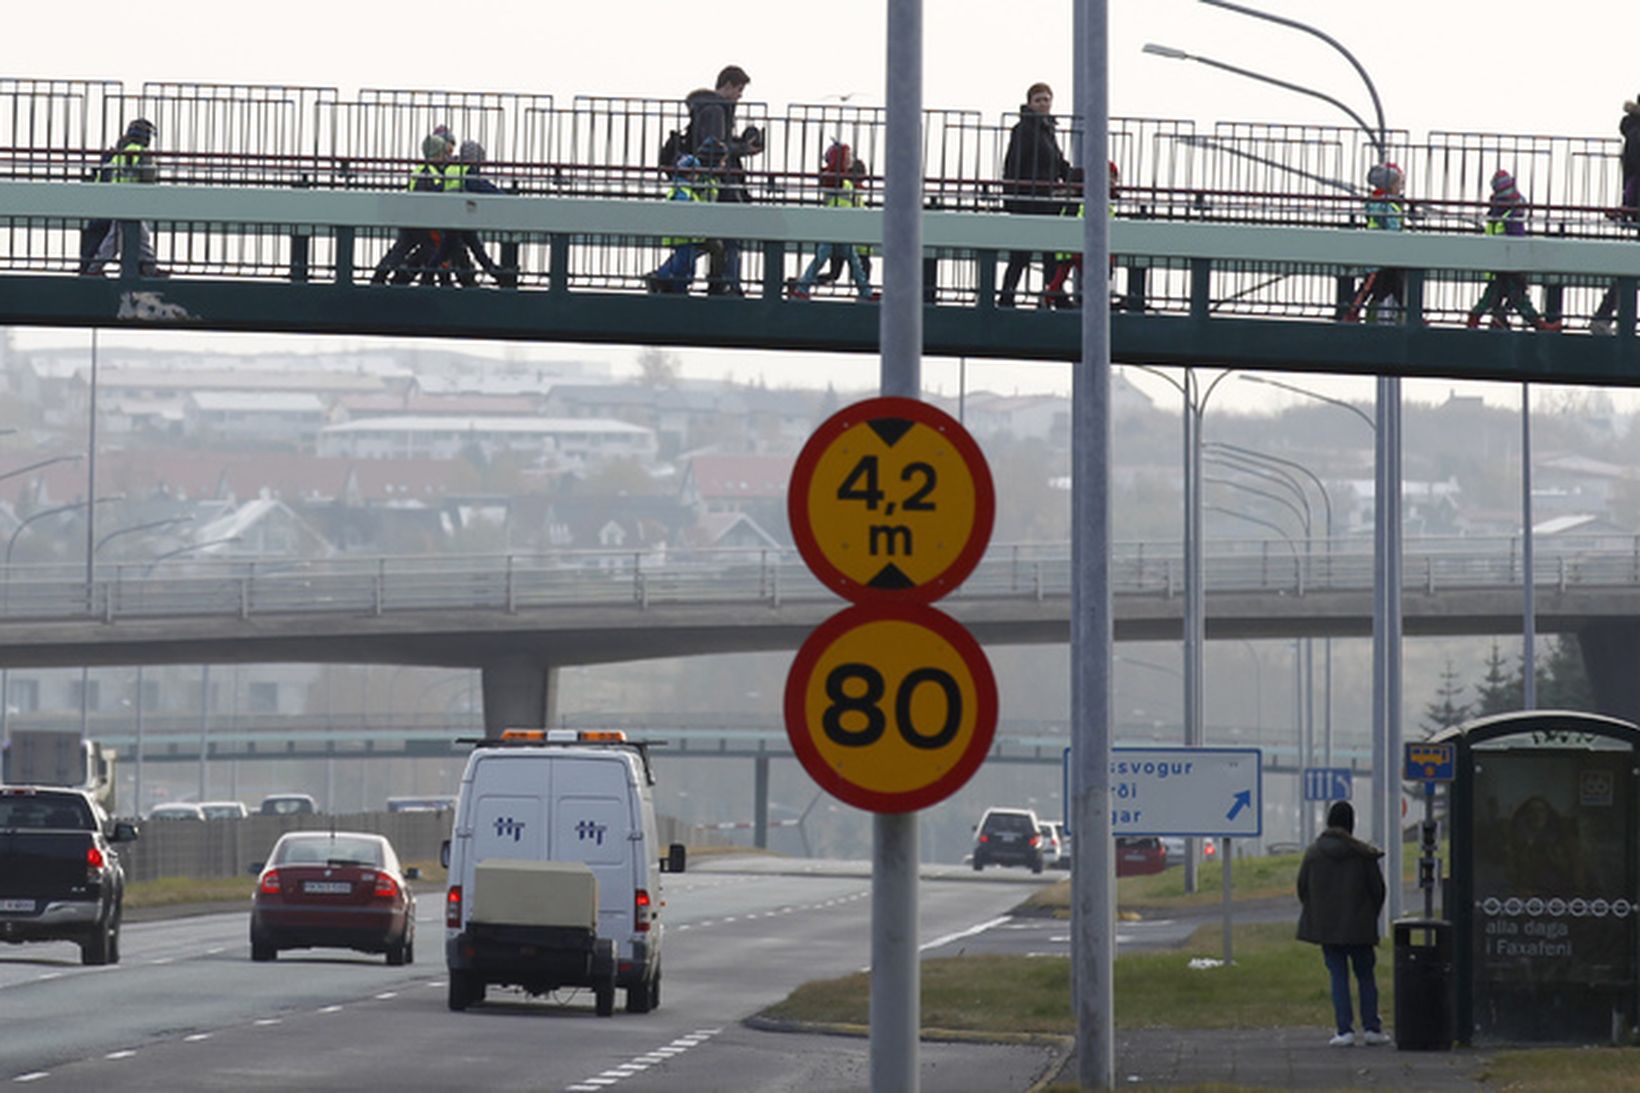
[327, 887]
[25, 905]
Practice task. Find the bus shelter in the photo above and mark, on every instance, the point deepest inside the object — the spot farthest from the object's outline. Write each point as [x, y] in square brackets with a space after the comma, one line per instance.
[1544, 889]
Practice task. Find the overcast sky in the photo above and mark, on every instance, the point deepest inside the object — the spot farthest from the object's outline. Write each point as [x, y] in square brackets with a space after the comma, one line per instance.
[1500, 66]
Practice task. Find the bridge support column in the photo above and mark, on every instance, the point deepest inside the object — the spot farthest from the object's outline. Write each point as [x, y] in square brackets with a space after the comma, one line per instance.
[760, 803]
[519, 693]
[1611, 655]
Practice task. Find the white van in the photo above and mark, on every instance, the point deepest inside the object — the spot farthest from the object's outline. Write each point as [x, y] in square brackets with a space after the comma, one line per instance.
[569, 895]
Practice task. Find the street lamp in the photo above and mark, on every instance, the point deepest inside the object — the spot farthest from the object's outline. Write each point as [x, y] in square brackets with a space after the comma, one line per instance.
[1194, 407]
[1173, 54]
[1386, 630]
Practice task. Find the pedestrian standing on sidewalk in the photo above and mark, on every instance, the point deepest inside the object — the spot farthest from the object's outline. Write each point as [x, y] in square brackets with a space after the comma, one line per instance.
[1342, 891]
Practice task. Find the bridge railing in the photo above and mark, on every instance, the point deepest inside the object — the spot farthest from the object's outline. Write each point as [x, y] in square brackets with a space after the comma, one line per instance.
[524, 581]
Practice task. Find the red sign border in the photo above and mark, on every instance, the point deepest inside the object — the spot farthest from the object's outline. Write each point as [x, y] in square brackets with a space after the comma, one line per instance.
[802, 480]
[973, 658]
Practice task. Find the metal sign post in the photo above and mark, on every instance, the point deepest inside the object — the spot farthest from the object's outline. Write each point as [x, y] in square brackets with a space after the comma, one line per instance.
[896, 1012]
[1093, 875]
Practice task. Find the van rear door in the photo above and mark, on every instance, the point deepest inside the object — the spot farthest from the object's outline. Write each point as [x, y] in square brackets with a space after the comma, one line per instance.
[592, 823]
[509, 817]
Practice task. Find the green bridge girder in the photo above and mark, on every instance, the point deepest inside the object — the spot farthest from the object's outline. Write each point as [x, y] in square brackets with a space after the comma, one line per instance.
[779, 324]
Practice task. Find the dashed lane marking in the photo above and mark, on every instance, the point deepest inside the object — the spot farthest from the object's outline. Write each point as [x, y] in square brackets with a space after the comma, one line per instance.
[640, 1063]
[32, 1076]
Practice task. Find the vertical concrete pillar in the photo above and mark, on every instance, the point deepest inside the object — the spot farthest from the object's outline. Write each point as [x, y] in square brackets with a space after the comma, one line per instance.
[1611, 655]
[520, 692]
[760, 803]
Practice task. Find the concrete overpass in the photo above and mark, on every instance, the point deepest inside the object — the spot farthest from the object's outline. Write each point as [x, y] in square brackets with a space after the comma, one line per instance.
[519, 618]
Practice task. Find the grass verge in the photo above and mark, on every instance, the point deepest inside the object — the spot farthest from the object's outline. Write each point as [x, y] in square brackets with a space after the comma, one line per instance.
[1274, 981]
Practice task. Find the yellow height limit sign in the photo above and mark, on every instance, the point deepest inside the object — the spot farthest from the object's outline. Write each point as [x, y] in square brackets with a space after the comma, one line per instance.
[891, 502]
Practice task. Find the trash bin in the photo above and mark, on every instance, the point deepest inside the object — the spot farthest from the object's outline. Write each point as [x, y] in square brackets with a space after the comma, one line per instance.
[1424, 987]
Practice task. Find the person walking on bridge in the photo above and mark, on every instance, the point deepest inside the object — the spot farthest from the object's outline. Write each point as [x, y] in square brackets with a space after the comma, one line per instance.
[412, 252]
[712, 117]
[1506, 217]
[1032, 170]
[1604, 321]
[1341, 890]
[100, 240]
[1386, 211]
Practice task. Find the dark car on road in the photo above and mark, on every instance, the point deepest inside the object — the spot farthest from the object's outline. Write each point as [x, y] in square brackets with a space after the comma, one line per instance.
[342, 889]
[1008, 836]
[60, 872]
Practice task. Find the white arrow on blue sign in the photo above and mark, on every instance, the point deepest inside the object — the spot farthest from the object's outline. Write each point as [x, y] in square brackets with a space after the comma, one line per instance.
[1327, 783]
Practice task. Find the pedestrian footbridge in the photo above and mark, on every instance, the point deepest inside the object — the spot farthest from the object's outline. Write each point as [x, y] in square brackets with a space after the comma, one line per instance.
[1197, 292]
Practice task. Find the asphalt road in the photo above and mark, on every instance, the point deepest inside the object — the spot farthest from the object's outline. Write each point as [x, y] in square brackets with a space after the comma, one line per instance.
[187, 1010]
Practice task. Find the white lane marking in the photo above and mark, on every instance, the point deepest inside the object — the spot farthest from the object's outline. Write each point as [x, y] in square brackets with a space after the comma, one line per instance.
[32, 1076]
[196, 1037]
[119, 1055]
[224, 948]
[582, 1088]
[639, 1063]
[329, 1009]
[59, 975]
[265, 1021]
[384, 995]
[960, 934]
[162, 960]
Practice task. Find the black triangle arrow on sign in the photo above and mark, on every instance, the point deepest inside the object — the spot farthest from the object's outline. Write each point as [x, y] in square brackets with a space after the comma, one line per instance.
[890, 429]
[891, 576]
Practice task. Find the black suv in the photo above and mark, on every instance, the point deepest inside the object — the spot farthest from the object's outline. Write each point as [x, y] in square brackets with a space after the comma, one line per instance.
[1008, 836]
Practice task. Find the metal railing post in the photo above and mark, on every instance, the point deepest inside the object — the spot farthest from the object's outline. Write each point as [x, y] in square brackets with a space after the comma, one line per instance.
[558, 264]
[345, 240]
[512, 591]
[380, 586]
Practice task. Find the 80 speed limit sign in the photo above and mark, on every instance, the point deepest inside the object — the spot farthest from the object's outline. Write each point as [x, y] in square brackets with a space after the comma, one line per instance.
[891, 708]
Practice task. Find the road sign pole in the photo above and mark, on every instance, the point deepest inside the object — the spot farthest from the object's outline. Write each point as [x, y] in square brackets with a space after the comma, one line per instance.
[896, 1015]
[1093, 874]
[1226, 856]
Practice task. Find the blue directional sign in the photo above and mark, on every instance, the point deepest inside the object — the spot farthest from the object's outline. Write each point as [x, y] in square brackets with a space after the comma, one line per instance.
[1187, 791]
[1327, 783]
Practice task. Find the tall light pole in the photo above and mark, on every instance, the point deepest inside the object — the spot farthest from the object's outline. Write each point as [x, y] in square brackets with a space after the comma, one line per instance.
[1386, 538]
[1528, 575]
[1194, 622]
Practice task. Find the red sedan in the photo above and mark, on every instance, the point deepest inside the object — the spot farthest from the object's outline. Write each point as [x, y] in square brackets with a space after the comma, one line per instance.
[341, 889]
[1139, 855]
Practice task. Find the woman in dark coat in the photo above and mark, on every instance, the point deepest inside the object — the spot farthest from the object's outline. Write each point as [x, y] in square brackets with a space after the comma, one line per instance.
[1032, 171]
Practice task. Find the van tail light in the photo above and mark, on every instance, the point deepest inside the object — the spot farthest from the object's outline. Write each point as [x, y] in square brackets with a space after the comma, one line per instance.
[985, 838]
[94, 861]
[452, 908]
[386, 887]
[1035, 840]
[269, 885]
[641, 911]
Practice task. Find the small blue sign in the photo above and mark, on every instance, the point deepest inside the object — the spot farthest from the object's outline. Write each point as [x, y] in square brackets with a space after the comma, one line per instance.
[1327, 783]
[1428, 762]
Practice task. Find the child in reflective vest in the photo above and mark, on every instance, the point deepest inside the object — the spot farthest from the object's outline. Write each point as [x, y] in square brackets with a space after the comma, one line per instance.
[1386, 211]
[1506, 216]
[691, 181]
[837, 191]
[1055, 294]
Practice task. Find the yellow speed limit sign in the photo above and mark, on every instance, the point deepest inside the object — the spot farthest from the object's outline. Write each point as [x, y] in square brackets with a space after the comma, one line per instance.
[891, 708]
[891, 501]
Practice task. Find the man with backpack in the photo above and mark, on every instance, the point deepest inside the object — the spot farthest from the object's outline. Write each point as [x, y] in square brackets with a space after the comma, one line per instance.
[712, 118]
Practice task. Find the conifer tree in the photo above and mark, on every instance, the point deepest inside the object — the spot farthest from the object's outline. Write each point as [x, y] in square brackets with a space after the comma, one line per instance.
[1446, 710]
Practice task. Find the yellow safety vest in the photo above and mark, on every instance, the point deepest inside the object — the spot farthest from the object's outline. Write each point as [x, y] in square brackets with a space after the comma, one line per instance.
[422, 170]
[126, 165]
[681, 192]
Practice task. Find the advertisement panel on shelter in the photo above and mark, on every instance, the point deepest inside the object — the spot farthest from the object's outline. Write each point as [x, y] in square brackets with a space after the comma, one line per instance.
[1555, 911]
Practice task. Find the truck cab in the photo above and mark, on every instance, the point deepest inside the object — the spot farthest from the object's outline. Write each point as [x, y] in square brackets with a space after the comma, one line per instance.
[580, 803]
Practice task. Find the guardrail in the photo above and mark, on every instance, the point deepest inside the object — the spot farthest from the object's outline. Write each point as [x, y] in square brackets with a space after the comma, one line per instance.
[511, 583]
